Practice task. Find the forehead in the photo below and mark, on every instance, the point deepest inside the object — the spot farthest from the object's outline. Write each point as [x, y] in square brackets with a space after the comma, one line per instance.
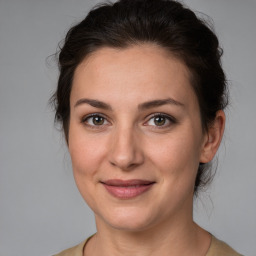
[142, 72]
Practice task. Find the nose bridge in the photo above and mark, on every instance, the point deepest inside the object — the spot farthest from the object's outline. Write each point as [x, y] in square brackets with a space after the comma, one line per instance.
[126, 151]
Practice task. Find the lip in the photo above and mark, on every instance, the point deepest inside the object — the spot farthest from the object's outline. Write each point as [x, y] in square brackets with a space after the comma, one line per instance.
[127, 189]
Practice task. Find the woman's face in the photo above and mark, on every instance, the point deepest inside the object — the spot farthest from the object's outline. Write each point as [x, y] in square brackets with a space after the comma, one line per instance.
[135, 136]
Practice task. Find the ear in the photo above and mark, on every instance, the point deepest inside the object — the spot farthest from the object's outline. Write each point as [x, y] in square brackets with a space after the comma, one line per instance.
[213, 138]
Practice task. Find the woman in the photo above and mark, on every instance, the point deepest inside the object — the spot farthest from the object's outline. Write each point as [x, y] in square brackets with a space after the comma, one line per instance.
[141, 95]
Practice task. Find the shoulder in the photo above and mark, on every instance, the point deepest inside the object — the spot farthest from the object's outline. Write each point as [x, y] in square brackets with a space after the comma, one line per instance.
[73, 251]
[219, 248]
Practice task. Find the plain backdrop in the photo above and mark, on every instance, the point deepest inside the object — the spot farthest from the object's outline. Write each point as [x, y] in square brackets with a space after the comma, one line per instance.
[41, 210]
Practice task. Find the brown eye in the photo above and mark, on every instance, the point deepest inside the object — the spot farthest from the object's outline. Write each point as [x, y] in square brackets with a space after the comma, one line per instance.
[94, 120]
[159, 120]
[98, 120]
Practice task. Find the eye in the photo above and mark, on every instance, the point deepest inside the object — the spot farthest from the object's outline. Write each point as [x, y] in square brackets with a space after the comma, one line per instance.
[161, 120]
[95, 120]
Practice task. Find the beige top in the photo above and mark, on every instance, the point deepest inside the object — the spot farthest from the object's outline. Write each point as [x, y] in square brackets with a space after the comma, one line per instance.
[217, 248]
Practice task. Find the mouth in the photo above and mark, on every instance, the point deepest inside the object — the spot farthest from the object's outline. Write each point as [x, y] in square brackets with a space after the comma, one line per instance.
[127, 189]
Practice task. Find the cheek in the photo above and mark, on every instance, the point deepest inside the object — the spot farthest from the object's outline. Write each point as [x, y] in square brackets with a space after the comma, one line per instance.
[87, 154]
[176, 156]
[84, 165]
[86, 151]
[82, 158]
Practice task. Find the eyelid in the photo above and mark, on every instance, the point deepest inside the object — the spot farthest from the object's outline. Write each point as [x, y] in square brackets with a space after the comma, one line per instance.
[170, 118]
[86, 117]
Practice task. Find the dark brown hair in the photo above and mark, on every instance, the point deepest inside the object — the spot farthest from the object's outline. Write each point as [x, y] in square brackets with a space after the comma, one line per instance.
[166, 23]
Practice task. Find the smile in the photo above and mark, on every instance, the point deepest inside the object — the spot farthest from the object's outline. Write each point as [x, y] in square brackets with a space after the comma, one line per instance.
[127, 189]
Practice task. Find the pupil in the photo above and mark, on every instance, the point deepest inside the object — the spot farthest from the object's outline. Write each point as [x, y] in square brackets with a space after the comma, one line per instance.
[97, 120]
[159, 120]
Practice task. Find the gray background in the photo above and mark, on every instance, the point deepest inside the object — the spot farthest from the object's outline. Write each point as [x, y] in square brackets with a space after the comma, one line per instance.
[41, 211]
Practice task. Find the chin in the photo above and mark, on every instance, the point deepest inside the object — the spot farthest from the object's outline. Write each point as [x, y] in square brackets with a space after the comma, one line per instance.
[131, 220]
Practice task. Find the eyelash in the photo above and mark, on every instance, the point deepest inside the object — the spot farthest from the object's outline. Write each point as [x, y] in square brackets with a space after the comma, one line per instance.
[86, 118]
[168, 118]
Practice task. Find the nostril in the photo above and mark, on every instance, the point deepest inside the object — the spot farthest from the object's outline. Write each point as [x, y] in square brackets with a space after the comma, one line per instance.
[125, 152]
[126, 163]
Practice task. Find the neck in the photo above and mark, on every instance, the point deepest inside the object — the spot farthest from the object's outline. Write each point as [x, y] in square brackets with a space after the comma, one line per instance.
[176, 238]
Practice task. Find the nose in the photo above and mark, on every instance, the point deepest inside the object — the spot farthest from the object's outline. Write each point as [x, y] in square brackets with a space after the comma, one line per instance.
[126, 149]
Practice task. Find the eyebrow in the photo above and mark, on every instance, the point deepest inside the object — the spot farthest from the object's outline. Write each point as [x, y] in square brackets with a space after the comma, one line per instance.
[93, 103]
[158, 103]
[142, 106]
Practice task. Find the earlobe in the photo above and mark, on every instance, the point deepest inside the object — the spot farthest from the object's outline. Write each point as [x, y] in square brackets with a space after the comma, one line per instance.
[213, 138]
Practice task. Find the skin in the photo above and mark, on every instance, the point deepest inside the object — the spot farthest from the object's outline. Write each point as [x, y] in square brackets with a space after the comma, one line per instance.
[129, 143]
